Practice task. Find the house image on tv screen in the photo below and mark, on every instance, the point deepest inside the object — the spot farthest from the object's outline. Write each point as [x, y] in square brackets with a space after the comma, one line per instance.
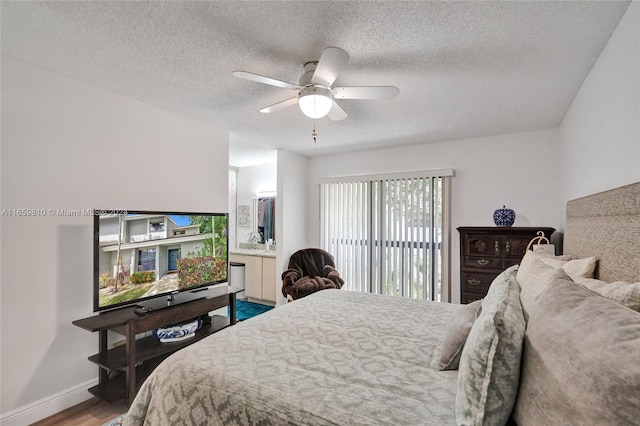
[142, 255]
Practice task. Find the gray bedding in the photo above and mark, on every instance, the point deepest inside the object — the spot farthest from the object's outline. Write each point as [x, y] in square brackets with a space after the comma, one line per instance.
[332, 358]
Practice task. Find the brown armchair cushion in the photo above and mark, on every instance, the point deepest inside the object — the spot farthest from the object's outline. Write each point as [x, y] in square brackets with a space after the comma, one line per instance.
[310, 270]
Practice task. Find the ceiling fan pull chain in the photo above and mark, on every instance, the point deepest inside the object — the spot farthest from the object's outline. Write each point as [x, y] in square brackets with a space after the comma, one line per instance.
[314, 134]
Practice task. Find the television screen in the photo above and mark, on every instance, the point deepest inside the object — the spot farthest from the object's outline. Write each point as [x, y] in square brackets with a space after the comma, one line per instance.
[141, 255]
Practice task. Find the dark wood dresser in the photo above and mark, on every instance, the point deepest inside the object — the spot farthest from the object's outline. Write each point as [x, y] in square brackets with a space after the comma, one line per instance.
[488, 250]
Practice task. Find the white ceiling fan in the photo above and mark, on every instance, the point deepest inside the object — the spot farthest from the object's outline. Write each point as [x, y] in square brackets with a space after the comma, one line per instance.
[316, 95]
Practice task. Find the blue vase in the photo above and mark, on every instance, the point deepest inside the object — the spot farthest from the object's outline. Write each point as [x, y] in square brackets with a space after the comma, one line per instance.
[504, 217]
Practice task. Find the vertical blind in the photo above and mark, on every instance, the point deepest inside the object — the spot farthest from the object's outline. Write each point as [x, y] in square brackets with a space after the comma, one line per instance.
[387, 234]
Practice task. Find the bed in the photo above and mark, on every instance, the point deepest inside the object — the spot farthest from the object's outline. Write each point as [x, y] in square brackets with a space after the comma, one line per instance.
[344, 358]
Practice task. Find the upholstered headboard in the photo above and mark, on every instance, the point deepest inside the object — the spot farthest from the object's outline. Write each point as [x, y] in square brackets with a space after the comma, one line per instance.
[607, 225]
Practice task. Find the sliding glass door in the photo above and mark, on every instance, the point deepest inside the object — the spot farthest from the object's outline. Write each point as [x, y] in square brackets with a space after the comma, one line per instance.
[387, 234]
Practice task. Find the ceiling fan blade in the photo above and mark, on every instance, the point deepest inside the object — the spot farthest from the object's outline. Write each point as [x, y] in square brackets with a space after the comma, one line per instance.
[336, 113]
[365, 92]
[332, 61]
[281, 105]
[265, 80]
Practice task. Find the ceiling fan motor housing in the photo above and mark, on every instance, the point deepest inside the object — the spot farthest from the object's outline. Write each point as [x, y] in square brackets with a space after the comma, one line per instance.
[309, 69]
[315, 89]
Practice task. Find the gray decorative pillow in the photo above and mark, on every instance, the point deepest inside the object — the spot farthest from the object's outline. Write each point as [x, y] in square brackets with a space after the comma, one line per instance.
[455, 335]
[489, 370]
[580, 363]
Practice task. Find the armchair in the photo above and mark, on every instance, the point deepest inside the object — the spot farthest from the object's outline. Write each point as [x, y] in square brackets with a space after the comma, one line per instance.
[310, 270]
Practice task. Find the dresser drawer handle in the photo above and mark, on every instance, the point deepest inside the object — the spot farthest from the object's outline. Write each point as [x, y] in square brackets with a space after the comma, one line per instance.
[473, 281]
[482, 262]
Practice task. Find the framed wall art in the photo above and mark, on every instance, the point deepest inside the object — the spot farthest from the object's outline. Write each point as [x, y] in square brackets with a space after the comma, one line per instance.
[244, 216]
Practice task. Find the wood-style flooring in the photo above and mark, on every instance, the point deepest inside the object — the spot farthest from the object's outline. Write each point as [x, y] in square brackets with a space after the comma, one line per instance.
[92, 412]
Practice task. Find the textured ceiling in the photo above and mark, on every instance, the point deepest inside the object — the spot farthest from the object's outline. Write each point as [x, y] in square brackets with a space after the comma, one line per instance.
[464, 69]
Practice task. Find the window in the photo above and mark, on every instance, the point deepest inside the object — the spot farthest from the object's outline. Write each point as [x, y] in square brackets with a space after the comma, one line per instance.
[147, 260]
[156, 226]
[389, 234]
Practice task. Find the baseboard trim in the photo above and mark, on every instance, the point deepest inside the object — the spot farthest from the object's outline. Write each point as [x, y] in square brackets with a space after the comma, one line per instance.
[48, 406]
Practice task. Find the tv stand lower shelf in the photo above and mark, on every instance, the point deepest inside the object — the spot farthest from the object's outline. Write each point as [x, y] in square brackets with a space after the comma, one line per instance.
[123, 369]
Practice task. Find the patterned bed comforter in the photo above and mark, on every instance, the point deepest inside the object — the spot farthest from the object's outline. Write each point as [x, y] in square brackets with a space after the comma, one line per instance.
[332, 358]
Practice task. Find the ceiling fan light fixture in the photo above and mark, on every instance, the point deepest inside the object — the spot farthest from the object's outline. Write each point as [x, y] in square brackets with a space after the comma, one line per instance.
[315, 101]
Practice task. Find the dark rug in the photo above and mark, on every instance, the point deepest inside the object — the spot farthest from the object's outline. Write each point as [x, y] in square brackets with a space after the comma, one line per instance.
[246, 310]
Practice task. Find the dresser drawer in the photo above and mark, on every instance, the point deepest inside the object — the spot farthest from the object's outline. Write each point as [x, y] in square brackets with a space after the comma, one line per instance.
[481, 245]
[476, 282]
[468, 297]
[483, 262]
[510, 262]
[515, 247]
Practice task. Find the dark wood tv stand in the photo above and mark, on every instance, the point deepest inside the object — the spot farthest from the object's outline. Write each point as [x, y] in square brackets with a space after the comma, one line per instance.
[122, 369]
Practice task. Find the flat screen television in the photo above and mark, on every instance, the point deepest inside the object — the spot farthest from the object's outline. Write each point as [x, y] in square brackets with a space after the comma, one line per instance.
[147, 257]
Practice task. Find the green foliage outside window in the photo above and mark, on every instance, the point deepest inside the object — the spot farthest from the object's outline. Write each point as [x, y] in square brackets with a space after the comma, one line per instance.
[198, 270]
[142, 277]
[216, 246]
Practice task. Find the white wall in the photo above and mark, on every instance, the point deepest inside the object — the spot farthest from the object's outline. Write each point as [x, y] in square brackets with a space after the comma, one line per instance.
[517, 170]
[232, 237]
[600, 133]
[250, 181]
[66, 145]
[291, 211]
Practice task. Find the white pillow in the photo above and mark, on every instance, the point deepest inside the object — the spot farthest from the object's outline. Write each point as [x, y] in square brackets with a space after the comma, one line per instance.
[540, 250]
[575, 268]
[533, 276]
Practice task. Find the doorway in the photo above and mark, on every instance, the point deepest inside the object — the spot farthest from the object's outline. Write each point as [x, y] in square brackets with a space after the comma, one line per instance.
[174, 255]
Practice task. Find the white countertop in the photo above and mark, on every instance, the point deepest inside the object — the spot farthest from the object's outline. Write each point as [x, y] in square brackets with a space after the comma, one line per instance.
[253, 252]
